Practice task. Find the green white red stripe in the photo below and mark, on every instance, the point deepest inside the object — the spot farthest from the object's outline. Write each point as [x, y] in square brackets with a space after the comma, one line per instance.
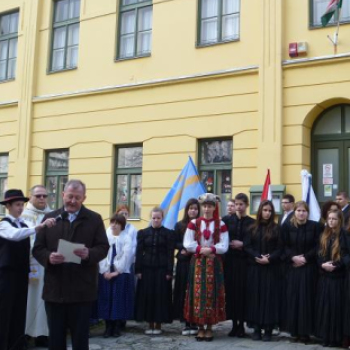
[333, 6]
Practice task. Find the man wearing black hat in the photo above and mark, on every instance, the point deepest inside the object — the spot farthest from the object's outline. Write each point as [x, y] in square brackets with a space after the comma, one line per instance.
[14, 268]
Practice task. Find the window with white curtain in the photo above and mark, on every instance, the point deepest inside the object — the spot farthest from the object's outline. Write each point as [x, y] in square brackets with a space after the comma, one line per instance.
[65, 37]
[8, 45]
[218, 21]
[318, 8]
[135, 28]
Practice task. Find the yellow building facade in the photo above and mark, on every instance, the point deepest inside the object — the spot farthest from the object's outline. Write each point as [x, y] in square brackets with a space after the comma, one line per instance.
[187, 93]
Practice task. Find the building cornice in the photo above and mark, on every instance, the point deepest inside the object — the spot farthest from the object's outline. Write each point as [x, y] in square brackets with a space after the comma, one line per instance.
[308, 60]
[146, 83]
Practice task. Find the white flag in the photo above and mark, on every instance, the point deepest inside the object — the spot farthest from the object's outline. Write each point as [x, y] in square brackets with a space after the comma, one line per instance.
[309, 196]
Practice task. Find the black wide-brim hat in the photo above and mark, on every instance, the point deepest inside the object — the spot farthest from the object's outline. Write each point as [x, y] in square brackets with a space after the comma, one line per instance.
[14, 195]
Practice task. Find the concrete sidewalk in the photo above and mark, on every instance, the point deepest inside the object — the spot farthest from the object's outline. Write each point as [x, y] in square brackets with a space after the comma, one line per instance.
[133, 338]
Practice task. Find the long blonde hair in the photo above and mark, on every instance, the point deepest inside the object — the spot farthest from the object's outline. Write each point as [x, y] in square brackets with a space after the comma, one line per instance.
[303, 204]
[328, 233]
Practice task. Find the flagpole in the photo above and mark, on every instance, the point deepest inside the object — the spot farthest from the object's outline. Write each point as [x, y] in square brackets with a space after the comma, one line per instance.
[337, 32]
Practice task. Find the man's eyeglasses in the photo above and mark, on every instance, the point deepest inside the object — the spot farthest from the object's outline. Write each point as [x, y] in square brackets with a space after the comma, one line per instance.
[286, 202]
[40, 196]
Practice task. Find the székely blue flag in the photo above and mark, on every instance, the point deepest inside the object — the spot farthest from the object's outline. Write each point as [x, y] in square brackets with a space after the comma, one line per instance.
[186, 186]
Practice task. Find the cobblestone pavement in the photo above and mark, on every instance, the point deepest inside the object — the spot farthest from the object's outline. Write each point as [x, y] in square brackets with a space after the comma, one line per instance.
[133, 338]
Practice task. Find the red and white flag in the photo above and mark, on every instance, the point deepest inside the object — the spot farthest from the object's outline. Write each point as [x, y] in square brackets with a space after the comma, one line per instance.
[267, 193]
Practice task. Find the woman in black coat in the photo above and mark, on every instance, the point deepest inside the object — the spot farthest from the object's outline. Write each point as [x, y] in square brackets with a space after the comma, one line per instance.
[346, 259]
[300, 239]
[263, 246]
[183, 258]
[154, 270]
[330, 290]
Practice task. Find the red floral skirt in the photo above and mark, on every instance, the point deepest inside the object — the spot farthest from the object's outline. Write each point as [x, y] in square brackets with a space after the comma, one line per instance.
[205, 295]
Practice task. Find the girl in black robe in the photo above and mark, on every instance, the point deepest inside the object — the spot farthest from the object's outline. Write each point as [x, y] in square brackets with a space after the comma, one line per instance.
[154, 270]
[346, 259]
[183, 258]
[235, 265]
[330, 290]
[263, 246]
[300, 239]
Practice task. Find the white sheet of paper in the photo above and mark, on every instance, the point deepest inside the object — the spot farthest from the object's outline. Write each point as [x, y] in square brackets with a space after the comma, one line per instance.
[67, 248]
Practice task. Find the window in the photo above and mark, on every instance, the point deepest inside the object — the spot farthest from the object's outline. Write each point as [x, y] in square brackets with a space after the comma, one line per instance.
[129, 179]
[4, 167]
[318, 8]
[218, 21]
[135, 28]
[8, 45]
[215, 168]
[65, 39]
[56, 176]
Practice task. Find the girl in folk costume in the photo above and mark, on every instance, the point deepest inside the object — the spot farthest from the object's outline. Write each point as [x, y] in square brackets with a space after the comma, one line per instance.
[300, 240]
[263, 246]
[116, 288]
[183, 265]
[207, 238]
[330, 291]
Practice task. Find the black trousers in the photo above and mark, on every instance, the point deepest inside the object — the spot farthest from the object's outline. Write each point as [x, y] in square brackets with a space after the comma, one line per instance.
[72, 316]
[13, 308]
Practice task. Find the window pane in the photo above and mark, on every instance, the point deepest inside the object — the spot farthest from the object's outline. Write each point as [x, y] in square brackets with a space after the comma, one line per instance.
[214, 152]
[3, 73]
[58, 59]
[145, 18]
[12, 68]
[59, 38]
[347, 120]
[122, 189]
[330, 123]
[230, 27]
[74, 9]
[73, 34]
[223, 188]
[57, 161]
[72, 57]
[209, 31]
[127, 46]
[3, 189]
[136, 194]
[61, 10]
[13, 48]
[4, 24]
[210, 8]
[4, 164]
[51, 186]
[130, 157]
[128, 22]
[62, 180]
[144, 40]
[14, 22]
[207, 178]
[3, 49]
[230, 6]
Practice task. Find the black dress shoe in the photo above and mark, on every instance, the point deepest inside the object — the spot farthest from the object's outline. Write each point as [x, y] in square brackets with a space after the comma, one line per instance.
[267, 335]
[233, 332]
[240, 332]
[257, 334]
[42, 342]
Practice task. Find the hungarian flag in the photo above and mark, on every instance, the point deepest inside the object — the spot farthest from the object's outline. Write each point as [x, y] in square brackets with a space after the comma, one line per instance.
[333, 6]
[267, 193]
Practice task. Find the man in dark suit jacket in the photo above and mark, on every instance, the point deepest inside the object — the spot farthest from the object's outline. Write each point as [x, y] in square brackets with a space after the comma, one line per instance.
[69, 288]
[288, 209]
[342, 199]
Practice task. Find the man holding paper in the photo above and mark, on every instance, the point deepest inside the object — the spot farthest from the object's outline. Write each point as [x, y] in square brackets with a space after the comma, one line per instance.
[71, 287]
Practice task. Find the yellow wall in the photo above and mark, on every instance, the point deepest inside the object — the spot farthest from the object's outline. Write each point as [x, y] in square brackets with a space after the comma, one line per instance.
[249, 90]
